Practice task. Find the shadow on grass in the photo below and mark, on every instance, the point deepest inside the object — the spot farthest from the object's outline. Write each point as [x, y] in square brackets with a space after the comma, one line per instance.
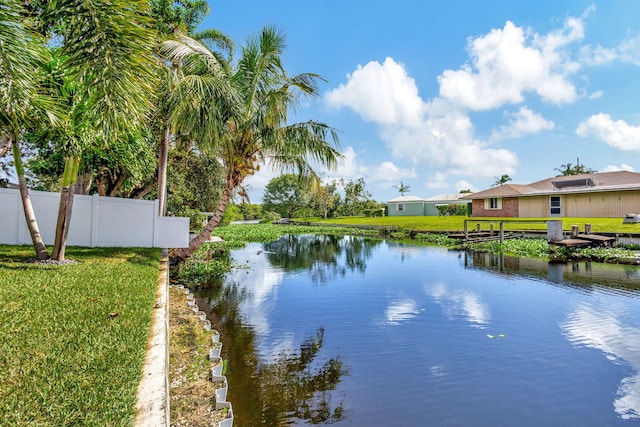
[20, 257]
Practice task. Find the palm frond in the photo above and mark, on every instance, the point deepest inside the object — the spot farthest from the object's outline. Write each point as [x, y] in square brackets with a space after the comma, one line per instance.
[216, 41]
[109, 49]
[23, 56]
[307, 142]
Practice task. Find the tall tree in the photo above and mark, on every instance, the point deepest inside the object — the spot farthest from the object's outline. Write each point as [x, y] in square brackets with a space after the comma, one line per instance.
[22, 56]
[356, 197]
[285, 194]
[107, 49]
[324, 197]
[402, 188]
[171, 19]
[247, 121]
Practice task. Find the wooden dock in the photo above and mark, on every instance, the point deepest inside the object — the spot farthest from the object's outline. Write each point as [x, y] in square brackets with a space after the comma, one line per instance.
[580, 240]
[555, 235]
[572, 243]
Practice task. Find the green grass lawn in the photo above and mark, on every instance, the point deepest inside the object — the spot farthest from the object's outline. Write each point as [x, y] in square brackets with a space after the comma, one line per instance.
[73, 337]
[453, 223]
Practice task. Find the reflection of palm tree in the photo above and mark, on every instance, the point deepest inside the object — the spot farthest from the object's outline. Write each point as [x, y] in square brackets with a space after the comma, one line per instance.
[292, 385]
[296, 390]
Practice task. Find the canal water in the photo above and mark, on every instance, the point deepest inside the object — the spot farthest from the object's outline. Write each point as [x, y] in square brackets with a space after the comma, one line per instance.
[353, 331]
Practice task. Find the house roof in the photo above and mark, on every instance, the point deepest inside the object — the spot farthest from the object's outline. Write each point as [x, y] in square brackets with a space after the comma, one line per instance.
[584, 183]
[504, 190]
[445, 198]
[405, 199]
[439, 198]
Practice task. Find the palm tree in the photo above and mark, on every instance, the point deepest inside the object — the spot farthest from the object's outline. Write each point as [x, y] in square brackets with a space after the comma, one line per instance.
[502, 180]
[402, 188]
[170, 76]
[568, 169]
[22, 55]
[107, 52]
[243, 114]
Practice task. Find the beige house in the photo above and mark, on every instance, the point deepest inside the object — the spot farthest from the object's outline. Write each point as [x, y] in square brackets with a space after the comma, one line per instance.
[595, 195]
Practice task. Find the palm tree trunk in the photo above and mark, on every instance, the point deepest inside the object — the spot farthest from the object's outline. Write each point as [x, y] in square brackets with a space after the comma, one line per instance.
[5, 144]
[65, 208]
[181, 254]
[162, 171]
[29, 214]
[83, 183]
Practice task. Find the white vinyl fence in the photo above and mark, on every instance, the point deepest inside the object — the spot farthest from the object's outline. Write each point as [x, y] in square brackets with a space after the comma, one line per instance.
[95, 221]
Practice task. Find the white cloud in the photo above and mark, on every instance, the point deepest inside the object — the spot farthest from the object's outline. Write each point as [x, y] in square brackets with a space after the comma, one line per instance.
[256, 183]
[523, 122]
[507, 62]
[465, 185]
[447, 143]
[437, 181]
[385, 175]
[618, 134]
[435, 134]
[380, 93]
[627, 51]
[613, 168]
[596, 95]
[348, 166]
[378, 176]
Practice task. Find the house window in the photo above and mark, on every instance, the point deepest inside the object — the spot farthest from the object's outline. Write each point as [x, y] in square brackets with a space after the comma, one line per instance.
[554, 205]
[493, 203]
[400, 207]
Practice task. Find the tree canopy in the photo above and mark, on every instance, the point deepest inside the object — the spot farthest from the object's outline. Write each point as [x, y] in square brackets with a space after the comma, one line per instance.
[570, 169]
[286, 194]
[402, 188]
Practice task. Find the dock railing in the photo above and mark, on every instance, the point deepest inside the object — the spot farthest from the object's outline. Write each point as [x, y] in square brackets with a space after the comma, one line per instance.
[553, 226]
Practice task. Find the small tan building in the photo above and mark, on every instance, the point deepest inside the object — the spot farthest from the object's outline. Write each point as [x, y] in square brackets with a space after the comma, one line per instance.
[592, 195]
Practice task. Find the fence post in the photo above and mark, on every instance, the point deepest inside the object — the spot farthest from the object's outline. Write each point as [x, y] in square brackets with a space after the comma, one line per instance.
[155, 236]
[95, 214]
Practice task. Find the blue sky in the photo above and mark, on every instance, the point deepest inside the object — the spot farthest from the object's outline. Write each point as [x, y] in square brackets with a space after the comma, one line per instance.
[446, 96]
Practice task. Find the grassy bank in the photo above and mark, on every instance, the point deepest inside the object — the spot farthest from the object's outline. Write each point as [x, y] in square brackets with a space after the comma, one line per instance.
[453, 223]
[73, 337]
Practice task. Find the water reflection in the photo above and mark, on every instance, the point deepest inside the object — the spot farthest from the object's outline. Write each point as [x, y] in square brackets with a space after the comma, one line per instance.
[460, 303]
[289, 341]
[292, 388]
[577, 273]
[326, 257]
[401, 311]
[290, 384]
[604, 327]
[605, 330]
[287, 381]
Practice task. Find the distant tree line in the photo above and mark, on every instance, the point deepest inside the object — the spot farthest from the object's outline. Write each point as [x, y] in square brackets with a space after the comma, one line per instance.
[293, 196]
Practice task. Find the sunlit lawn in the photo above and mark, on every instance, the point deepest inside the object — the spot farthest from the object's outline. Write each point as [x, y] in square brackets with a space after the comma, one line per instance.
[73, 337]
[453, 223]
